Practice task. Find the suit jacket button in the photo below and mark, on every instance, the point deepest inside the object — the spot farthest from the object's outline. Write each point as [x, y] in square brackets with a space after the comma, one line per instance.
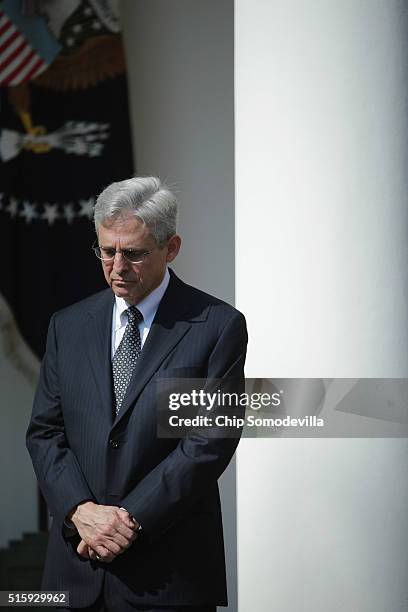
[114, 443]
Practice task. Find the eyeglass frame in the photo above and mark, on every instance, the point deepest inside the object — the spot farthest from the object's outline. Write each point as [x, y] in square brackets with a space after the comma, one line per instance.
[144, 254]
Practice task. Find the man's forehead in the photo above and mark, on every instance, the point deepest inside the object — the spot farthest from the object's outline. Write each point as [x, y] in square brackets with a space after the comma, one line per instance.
[124, 221]
[128, 227]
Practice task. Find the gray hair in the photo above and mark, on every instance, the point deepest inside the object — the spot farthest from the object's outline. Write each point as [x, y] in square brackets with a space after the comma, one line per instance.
[147, 198]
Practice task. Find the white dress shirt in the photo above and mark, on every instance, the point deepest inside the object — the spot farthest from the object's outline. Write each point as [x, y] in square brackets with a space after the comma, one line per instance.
[148, 307]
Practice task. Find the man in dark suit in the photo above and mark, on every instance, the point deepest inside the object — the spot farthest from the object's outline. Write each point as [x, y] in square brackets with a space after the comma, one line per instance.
[136, 517]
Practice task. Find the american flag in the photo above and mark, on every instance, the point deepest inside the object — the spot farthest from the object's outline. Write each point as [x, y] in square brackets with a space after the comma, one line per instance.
[26, 46]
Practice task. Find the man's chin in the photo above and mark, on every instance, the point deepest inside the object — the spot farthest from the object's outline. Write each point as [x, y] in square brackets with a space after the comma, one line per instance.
[127, 293]
[122, 290]
[131, 291]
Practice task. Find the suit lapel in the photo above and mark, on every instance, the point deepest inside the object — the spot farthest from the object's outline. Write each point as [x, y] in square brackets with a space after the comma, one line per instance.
[98, 333]
[168, 328]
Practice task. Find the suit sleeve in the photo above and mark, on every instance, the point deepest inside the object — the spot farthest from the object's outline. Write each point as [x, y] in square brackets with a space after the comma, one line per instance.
[193, 467]
[59, 475]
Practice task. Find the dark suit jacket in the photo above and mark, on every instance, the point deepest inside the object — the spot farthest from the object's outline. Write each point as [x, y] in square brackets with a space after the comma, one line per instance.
[80, 451]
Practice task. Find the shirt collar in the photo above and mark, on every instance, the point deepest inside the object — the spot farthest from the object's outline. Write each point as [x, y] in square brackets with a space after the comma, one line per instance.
[148, 306]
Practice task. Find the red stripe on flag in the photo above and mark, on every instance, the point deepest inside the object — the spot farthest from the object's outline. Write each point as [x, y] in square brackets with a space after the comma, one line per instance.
[34, 69]
[8, 42]
[5, 27]
[15, 72]
[13, 55]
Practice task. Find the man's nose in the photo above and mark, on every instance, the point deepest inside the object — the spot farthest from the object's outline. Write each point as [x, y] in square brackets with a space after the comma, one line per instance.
[120, 262]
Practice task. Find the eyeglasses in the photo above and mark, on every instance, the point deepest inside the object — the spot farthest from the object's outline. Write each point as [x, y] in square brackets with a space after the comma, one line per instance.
[131, 255]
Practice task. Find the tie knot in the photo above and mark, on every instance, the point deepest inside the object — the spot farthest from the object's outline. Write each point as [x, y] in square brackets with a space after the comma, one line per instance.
[134, 315]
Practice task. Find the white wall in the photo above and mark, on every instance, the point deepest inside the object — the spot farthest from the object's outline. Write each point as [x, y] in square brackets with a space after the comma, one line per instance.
[321, 218]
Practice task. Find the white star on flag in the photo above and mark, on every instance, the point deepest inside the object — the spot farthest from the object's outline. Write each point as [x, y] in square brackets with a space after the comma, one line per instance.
[29, 212]
[69, 212]
[86, 208]
[50, 213]
[12, 207]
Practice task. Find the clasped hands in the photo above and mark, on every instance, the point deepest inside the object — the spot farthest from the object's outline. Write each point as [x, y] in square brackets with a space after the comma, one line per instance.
[106, 531]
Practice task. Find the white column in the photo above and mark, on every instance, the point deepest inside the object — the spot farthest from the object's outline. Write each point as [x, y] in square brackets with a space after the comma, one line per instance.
[321, 274]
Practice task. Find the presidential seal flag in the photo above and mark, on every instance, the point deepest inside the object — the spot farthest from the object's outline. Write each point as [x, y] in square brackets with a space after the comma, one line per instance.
[65, 135]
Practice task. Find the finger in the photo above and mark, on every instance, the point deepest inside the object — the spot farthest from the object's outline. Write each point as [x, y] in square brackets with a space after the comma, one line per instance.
[115, 543]
[104, 554]
[114, 519]
[115, 531]
[82, 549]
[110, 545]
[112, 540]
[124, 529]
[127, 519]
[92, 554]
[120, 549]
[120, 540]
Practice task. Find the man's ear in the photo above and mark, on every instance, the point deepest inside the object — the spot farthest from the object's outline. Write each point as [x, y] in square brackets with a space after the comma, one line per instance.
[173, 247]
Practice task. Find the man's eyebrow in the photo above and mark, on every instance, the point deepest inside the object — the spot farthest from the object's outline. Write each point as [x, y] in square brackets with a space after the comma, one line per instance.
[138, 249]
[130, 248]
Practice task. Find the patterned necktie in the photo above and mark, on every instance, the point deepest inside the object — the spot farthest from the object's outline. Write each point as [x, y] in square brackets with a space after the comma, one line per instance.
[127, 354]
